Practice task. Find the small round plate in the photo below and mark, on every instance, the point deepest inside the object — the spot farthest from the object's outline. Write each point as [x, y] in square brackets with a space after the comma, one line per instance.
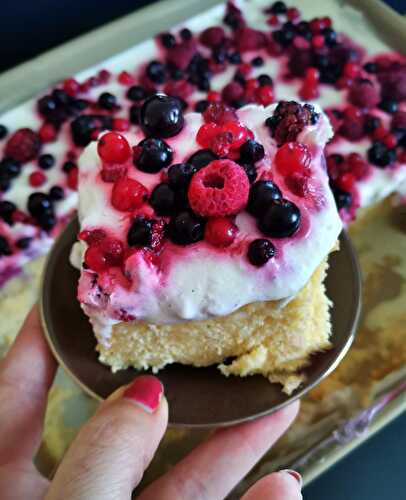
[198, 397]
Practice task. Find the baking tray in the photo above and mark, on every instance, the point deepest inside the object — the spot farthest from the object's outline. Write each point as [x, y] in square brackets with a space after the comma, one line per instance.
[335, 437]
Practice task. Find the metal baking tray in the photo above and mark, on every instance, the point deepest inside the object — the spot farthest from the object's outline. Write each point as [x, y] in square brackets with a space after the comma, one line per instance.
[388, 398]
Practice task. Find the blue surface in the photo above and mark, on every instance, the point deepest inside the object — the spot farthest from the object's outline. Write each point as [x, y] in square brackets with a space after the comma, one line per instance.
[374, 471]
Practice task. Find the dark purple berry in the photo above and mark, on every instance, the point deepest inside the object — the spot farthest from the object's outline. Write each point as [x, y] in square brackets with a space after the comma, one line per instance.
[185, 34]
[155, 155]
[135, 114]
[201, 106]
[168, 40]
[83, 127]
[262, 195]
[252, 151]
[39, 204]
[136, 93]
[5, 249]
[257, 62]
[235, 58]
[380, 156]
[156, 72]
[342, 198]
[56, 193]
[46, 161]
[371, 67]
[264, 80]
[161, 116]
[280, 220]
[10, 168]
[180, 175]
[260, 251]
[140, 232]
[250, 170]
[388, 105]
[23, 243]
[68, 166]
[162, 199]
[3, 131]
[278, 8]
[7, 208]
[107, 101]
[202, 158]
[185, 229]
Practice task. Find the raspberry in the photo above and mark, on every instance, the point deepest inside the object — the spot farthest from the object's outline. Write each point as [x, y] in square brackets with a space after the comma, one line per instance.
[249, 39]
[219, 189]
[289, 119]
[47, 132]
[128, 194]
[219, 113]
[212, 37]
[73, 178]
[364, 94]
[37, 178]
[232, 92]
[113, 148]
[92, 237]
[220, 232]
[182, 54]
[24, 145]
[393, 82]
[293, 157]
[112, 172]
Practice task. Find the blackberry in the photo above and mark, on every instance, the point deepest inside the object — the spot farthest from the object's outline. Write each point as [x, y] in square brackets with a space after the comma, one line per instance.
[250, 170]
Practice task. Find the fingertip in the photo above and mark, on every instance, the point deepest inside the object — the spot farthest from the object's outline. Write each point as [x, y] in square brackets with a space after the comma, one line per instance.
[282, 485]
[145, 391]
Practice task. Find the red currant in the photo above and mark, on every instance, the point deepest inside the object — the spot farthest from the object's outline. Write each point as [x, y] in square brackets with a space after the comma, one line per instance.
[293, 14]
[293, 157]
[47, 132]
[206, 134]
[220, 232]
[264, 95]
[73, 178]
[92, 237]
[113, 148]
[318, 41]
[121, 124]
[351, 69]
[125, 78]
[112, 250]
[128, 194]
[95, 259]
[213, 96]
[37, 178]
[390, 141]
[71, 86]
[238, 132]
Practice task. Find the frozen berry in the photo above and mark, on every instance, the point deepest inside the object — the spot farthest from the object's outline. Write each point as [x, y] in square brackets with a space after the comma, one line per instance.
[47, 221]
[260, 251]
[37, 178]
[68, 166]
[220, 232]
[364, 93]
[167, 40]
[47, 132]
[293, 157]
[156, 72]
[278, 8]
[219, 113]
[136, 93]
[83, 127]
[289, 119]
[185, 229]
[393, 83]
[135, 114]
[10, 168]
[262, 195]
[202, 158]
[38, 203]
[212, 37]
[95, 259]
[56, 193]
[233, 91]
[162, 199]
[185, 34]
[201, 106]
[371, 123]
[113, 148]
[342, 198]
[252, 151]
[128, 194]
[7, 208]
[24, 145]
[5, 248]
[152, 155]
[107, 101]
[389, 105]
[140, 232]
[121, 124]
[92, 237]
[161, 116]
[46, 161]
[380, 156]
[180, 175]
[219, 189]
[280, 220]
[399, 120]
[72, 180]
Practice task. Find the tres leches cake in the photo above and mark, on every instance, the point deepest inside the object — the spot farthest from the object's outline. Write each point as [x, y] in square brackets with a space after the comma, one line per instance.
[204, 238]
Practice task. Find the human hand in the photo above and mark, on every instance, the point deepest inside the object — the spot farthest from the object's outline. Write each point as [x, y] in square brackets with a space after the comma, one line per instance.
[111, 452]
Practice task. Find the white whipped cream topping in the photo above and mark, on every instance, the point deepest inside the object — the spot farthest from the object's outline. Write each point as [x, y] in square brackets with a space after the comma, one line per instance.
[198, 281]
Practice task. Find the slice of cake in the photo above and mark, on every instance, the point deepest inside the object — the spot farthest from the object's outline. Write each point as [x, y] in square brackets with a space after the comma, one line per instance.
[204, 239]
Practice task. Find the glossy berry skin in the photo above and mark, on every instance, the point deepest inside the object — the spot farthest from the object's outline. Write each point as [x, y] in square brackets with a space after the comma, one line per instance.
[46, 161]
[342, 198]
[10, 168]
[262, 195]
[252, 151]
[5, 249]
[7, 208]
[250, 170]
[180, 175]
[113, 148]
[185, 229]
[56, 193]
[202, 158]
[280, 220]
[152, 155]
[107, 101]
[37, 178]
[162, 199]
[293, 157]
[156, 72]
[260, 251]
[161, 116]
[140, 232]
[380, 156]
[3, 131]
[128, 194]
[38, 204]
[136, 93]
[95, 259]
[220, 232]
[389, 106]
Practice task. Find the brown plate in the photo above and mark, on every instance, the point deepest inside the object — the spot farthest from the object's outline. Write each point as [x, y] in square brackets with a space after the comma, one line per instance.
[198, 397]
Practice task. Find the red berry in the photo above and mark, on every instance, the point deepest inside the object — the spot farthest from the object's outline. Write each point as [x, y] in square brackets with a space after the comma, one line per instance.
[95, 259]
[301, 43]
[239, 133]
[221, 144]
[351, 70]
[273, 21]
[128, 194]
[293, 157]
[293, 13]
[346, 181]
[379, 133]
[113, 148]
[344, 82]
[19, 216]
[125, 78]
[24, 145]
[104, 75]
[113, 171]
[181, 54]
[298, 184]
[92, 237]
[212, 37]
[206, 134]
[112, 250]
[181, 88]
[47, 132]
[327, 22]
[245, 69]
[358, 166]
[390, 141]
[121, 124]
[312, 75]
[213, 96]
[232, 92]
[352, 128]
[399, 119]
[219, 113]
[73, 178]
[249, 39]
[71, 86]
[318, 41]
[219, 189]
[264, 95]
[220, 232]
[37, 178]
[316, 25]
[364, 94]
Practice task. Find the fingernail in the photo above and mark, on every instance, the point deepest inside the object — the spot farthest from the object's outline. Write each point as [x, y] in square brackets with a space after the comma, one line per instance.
[294, 474]
[146, 391]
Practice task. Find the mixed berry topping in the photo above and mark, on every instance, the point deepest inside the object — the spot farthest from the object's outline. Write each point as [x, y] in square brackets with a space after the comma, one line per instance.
[152, 155]
[113, 148]
[161, 116]
[260, 251]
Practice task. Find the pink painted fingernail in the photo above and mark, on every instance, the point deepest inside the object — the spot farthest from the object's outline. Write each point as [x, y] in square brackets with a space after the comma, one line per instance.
[146, 391]
[294, 474]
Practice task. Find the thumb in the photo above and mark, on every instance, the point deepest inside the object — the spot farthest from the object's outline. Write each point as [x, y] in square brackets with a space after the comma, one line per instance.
[111, 452]
[282, 485]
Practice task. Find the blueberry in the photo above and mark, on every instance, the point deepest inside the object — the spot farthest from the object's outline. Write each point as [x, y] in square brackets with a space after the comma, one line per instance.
[10, 168]
[135, 114]
[250, 170]
[185, 34]
[278, 8]
[203, 84]
[156, 72]
[264, 80]
[342, 198]
[3, 131]
[201, 106]
[380, 156]
[257, 62]
[47, 105]
[330, 37]
[46, 220]
[4, 247]
[107, 101]
[185, 229]
[56, 193]
[61, 97]
[23, 243]
[303, 29]
[371, 123]
[252, 151]
[155, 155]
[262, 195]
[202, 158]
[283, 37]
[180, 175]
[78, 105]
[68, 166]
[161, 116]
[46, 161]
[7, 208]
[233, 20]
[260, 251]
[39, 204]
[83, 126]
[371, 67]
[168, 40]
[5, 183]
[280, 220]
[136, 93]
[219, 55]
[140, 232]
[321, 61]
[162, 199]
[388, 105]
[235, 58]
